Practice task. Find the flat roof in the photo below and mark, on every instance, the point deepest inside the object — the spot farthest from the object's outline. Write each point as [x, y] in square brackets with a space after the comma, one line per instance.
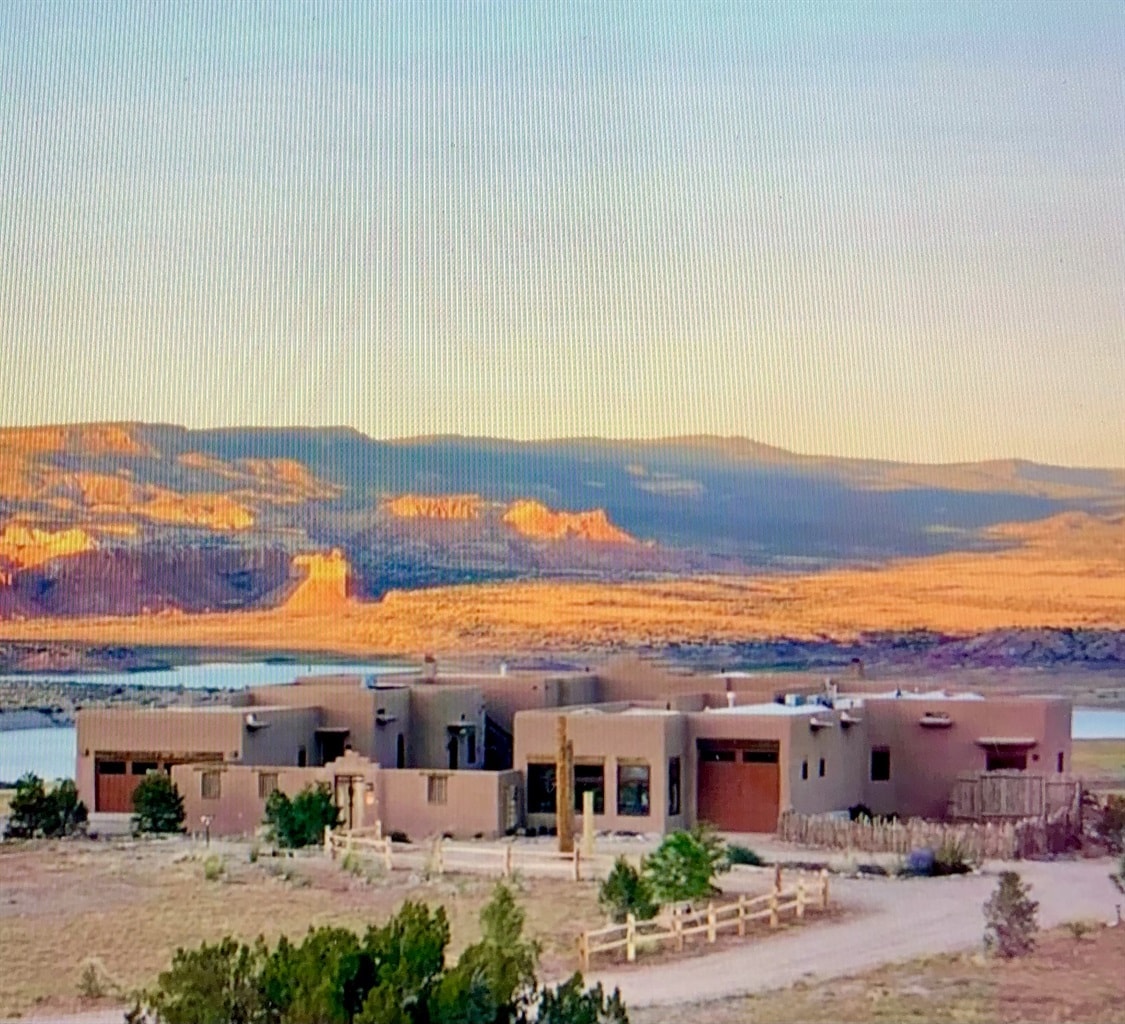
[771, 710]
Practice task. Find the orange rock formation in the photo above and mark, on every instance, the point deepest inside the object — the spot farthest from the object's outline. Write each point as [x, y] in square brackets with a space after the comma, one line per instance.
[324, 583]
[25, 546]
[436, 506]
[535, 520]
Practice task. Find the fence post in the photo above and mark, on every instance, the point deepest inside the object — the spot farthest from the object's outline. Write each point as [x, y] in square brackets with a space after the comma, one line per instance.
[328, 849]
[678, 929]
[387, 855]
[584, 952]
[800, 898]
[741, 915]
[507, 860]
[710, 922]
[630, 938]
[378, 828]
[824, 888]
[773, 908]
[577, 864]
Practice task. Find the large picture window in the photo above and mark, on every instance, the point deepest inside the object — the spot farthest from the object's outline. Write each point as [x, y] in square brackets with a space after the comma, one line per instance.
[589, 777]
[632, 789]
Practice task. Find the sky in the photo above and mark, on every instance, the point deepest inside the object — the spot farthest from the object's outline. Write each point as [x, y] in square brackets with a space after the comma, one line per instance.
[867, 229]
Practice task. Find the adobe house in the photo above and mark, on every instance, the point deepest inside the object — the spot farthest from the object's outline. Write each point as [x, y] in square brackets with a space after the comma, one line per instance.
[474, 753]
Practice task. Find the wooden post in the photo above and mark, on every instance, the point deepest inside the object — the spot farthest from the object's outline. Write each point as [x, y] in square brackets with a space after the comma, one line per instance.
[824, 888]
[507, 860]
[711, 922]
[584, 952]
[387, 855]
[564, 779]
[577, 854]
[378, 828]
[741, 915]
[678, 930]
[630, 938]
[328, 842]
[588, 824]
[773, 908]
[777, 878]
[800, 898]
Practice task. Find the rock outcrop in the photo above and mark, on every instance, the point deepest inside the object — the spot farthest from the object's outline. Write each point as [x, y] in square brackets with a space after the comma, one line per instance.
[323, 583]
[436, 506]
[24, 546]
[539, 522]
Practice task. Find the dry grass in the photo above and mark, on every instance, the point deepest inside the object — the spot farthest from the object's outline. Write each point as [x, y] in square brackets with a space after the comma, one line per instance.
[6, 800]
[1101, 763]
[131, 905]
[1053, 579]
[1063, 980]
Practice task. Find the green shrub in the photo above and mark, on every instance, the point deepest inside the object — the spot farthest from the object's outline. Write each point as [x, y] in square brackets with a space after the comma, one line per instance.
[255, 852]
[395, 974]
[1010, 918]
[37, 811]
[301, 821]
[626, 891]
[743, 855]
[157, 805]
[952, 858]
[685, 864]
[95, 982]
[213, 868]
[1110, 825]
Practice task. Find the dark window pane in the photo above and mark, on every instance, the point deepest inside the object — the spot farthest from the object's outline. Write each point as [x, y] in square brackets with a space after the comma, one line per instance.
[759, 756]
[111, 767]
[632, 789]
[590, 777]
[674, 785]
[880, 764]
[144, 767]
[540, 788]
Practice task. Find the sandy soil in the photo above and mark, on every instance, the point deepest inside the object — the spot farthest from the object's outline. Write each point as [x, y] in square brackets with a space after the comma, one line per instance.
[131, 904]
[1063, 980]
[1051, 580]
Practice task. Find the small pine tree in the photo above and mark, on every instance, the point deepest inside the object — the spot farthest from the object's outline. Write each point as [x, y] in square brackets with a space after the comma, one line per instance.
[158, 806]
[35, 811]
[301, 821]
[626, 891]
[685, 864]
[568, 1003]
[1010, 918]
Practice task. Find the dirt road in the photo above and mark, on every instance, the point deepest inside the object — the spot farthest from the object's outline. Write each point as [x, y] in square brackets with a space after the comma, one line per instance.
[890, 920]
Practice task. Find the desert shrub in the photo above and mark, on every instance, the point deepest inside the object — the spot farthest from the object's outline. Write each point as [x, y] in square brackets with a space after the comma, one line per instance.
[858, 812]
[301, 821]
[952, 858]
[1010, 918]
[394, 974]
[213, 868]
[158, 806]
[1110, 825]
[685, 864]
[743, 855]
[95, 981]
[626, 891]
[569, 1004]
[37, 811]
[255, 852]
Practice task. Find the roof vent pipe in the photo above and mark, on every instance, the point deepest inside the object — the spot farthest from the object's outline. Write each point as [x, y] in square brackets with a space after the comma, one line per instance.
[730, 699]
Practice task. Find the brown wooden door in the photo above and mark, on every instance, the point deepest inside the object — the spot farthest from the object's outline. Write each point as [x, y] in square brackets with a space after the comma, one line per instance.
[738, 789]
[113, 787]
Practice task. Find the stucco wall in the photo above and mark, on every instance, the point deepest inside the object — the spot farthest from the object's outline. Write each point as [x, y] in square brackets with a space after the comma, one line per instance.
[925, 761]
[475, 802]
[433, 708]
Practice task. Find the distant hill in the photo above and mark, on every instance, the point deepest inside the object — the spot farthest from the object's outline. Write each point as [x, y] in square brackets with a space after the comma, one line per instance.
[236, 505]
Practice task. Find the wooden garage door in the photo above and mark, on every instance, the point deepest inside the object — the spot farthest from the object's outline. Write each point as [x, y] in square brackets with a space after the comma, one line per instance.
[739, 786]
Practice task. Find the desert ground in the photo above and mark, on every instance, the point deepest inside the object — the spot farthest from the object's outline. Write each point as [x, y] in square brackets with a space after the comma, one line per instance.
[129, 905]
[959, 988]
[1051, 576]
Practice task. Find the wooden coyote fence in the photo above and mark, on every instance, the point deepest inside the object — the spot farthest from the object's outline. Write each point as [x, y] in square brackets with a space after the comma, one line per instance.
[1007, 840]
[1014, 796]
[678, 927]
[439, 856]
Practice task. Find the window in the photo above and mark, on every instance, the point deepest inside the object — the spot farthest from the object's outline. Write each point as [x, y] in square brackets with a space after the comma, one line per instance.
[591, 778]
[144, 767]
[717, 756]
[437, 790]
[210, 785]
[673, 785]
[400, 751]
[804, 769]
[267, 783]
[302, 757]
[541, 788]
[759, 757]
[820, 768]
[1060, 763]
[632, 790]
[111, 767]
[880, 764]
[471, 742]
[1006, 761]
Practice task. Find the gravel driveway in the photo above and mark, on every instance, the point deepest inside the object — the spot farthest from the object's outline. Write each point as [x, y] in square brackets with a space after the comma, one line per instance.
[890, 920]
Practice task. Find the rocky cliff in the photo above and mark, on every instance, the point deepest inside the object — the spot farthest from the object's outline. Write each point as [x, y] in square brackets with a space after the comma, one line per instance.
[533, 519]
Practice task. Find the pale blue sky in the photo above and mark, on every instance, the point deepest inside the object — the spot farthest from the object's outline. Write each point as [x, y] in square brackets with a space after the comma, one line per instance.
[892, 230]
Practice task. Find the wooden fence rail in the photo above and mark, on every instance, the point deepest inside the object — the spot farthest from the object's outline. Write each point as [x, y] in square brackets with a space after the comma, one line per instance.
[441, 855]
[710, 921]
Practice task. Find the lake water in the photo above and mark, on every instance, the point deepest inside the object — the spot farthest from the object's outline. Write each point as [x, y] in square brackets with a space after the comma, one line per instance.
[51, 753]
